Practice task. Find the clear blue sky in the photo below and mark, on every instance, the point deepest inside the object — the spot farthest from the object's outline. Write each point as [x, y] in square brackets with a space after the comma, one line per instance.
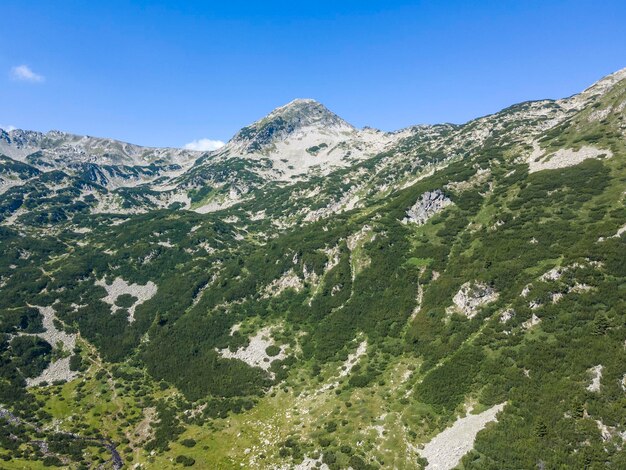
[166, 73]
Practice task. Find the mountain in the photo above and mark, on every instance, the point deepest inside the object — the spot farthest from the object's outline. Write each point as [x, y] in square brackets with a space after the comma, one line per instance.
[56, 145]
[299, 142]
[314, 295]
[304, 135]
[286, 122]
[106, 163]
[292, 142]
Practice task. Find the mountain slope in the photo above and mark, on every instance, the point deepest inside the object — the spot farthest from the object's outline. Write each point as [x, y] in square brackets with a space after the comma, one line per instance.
[344, 319]
[300, 142]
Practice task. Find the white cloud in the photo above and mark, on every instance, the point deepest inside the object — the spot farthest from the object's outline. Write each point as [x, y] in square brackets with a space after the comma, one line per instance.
[23, 73]
[204, 145]
[8, 128]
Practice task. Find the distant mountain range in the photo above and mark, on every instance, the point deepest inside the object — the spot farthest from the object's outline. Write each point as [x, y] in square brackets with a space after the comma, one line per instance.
[295, 142]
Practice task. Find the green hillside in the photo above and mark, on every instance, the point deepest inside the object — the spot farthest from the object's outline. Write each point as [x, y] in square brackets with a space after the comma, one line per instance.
[293, 327]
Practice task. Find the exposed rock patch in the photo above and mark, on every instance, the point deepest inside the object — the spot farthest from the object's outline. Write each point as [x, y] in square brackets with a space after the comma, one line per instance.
[471, 297]
[446, 449]
[358, 238]
[222, 202]
[562, 158]
[596, 377]
[599, 114]
[144, 430]
[506, 315]
[255, 354]
[333, 258]
[608, 433]
[570, 286]
[429, 204]
[51, 334]
[311, 464]
[617, 234]
[348, 201]
[554, 274]
[120, 287]
[289, 280]
[353, 359]
[532, 321]
[355, 242]
[418, 302]
[59, 369]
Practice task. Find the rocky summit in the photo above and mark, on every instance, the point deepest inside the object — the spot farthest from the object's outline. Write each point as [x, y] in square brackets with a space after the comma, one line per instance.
[314, 295]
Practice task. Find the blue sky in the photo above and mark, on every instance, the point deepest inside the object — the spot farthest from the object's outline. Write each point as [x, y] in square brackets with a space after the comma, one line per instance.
[168, 73]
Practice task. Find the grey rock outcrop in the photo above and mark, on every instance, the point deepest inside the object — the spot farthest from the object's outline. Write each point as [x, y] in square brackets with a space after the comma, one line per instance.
[284, 121]
[472, 296]
[429, 204]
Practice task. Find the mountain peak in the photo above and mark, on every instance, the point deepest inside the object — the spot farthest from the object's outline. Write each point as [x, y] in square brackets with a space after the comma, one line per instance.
[606, 83]
[301, 101]
[303, 112]
[596, 90]
[300, 104]
[287, 119]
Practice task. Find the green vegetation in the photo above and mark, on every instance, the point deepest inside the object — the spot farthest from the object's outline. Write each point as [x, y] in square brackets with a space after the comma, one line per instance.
[31, 354]
[316, 148]
[378, 359]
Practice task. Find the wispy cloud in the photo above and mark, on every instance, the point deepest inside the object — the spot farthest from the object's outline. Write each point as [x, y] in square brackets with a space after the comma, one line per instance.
[8, 128]
[204, 145]
[23, 73]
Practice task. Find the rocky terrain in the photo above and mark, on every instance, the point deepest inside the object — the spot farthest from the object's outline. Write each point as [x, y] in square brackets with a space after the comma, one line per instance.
[429, 204]
[448, 447]
[313, 295]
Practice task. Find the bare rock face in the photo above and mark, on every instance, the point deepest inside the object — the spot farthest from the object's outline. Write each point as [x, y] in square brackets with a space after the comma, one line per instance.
[506, 315]
[596, 377]
[446, 449]
[289, 280]
[472, 296]
[429, 204]
[286, 120]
